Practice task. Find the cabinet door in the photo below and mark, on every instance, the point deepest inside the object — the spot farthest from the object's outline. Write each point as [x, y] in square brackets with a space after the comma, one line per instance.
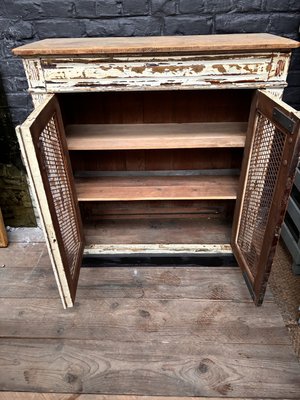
[270, 160]
[43, 144]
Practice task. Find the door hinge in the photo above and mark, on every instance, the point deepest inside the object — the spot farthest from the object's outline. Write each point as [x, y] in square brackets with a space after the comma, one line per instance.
[283, 120]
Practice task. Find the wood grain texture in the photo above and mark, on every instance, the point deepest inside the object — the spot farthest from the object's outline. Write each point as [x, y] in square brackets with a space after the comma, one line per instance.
[155, 136]
[157, 188]
[3, 234]
[169, 367]
[158, 229]
[61, 396]
[21, 254]
[159, 44]
[155, 107]
[125, 320]
[163, 331]
[163, 282]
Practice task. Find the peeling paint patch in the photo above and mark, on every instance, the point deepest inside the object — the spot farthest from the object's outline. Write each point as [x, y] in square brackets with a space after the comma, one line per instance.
[89, 73]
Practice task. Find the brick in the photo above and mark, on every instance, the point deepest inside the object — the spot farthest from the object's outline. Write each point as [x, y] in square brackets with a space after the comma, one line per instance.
[22, 9]
[20, 30]
[135, 7]
[85, 9]
[291, 95]
[135, 26]
[293, 78]
[111, 8]
[242, 23]
[60, 9]
[294, 5]
[190, 7]
[188, 25]
[281, 5]
[292, 35]
[296, 106]
[18, 84]
[6, 46]
[4, 25]
[295, 60]
[163, 7]
[218, 6]
[59, 28]
[12, 67]
[284, 23]
[19, 114]
[18, 100]
[247, 6]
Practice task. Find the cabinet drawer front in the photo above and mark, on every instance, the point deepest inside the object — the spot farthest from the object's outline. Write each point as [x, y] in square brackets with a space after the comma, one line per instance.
[63, 74]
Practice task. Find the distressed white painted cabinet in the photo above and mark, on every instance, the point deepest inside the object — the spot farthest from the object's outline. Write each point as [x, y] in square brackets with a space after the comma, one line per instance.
[160, 146]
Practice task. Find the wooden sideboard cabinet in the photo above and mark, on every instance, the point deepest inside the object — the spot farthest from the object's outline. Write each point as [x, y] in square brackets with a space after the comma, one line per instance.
[160, 145]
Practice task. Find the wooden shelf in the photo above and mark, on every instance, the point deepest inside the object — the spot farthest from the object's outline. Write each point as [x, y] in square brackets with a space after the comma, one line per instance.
[164, 229]
[156, 188]
[155, 136]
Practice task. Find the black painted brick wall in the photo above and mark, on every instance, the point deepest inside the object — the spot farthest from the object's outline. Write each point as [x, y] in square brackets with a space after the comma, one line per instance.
[23, 21]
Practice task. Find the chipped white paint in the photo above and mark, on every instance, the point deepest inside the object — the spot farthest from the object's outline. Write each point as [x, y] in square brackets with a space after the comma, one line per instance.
[69, 74]
[180, 249]
[39, 98]
[142, 85]
[34, 73]
[276, 92]
[280, 66]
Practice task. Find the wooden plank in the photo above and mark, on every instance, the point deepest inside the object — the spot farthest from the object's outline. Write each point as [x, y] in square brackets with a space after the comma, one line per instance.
[22, 255]
[163, 229]
[157, 44]
[3, 234]
[156, 188]
[134, 319]
[155, 136]
[164, 282]
[61, 396]
[171, 367]
[171, 250]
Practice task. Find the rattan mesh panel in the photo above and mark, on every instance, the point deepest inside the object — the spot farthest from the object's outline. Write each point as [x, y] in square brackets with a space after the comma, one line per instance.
[262, 176]
[52, 158]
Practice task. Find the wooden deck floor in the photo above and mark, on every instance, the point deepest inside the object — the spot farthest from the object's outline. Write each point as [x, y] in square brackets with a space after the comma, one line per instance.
[156, 331]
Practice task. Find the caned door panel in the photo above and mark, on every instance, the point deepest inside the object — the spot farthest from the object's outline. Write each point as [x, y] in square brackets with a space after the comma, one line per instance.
[269, 164]
[44, 149]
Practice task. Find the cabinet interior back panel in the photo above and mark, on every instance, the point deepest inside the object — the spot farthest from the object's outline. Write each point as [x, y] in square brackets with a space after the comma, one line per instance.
[156, 107]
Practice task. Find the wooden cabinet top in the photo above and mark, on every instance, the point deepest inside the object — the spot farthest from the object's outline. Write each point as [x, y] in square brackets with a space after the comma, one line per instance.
[158, 44]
